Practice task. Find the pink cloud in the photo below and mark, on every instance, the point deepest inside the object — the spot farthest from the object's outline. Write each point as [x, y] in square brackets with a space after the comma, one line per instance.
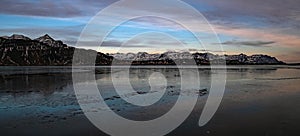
[284, 40]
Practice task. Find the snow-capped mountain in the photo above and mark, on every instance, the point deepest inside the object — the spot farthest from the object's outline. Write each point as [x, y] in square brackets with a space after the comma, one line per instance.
[46, 39]
[16, 37]
[171, 55]
[21, 50]
[144, 56]
[176, 55]
[199, 57]
[140, 56]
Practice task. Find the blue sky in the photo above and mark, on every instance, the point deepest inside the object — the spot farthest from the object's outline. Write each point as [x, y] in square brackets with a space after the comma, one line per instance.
[251, 27]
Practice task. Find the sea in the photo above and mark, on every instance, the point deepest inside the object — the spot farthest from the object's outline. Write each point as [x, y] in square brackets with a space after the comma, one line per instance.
[256, 100]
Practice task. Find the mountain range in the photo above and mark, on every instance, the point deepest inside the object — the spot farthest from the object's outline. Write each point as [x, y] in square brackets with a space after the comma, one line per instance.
[19, 50]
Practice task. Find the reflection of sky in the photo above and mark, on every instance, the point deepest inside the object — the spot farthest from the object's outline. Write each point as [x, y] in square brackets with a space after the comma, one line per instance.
[241, 21]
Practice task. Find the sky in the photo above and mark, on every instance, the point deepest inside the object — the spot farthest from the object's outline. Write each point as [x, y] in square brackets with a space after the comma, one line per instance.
[243, 26]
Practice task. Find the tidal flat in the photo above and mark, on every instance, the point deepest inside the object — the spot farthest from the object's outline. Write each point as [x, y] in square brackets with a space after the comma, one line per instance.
[258, 100]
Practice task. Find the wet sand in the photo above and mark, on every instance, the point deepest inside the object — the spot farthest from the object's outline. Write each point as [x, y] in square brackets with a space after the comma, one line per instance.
[256, 102]
[273, 116]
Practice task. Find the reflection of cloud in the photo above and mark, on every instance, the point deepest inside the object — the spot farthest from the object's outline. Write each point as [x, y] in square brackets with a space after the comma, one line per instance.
[249, 43]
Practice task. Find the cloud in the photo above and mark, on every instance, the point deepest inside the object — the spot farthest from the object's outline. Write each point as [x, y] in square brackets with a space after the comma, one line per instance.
[291, 57]
[249, 43]
[284, 40]
[277, 21]
[203, 50]
[111, 43]
[270, 11]
[66, 34]
[115, 43]
[263, 23]
[194, 50]
[50, 8]
[41, 8]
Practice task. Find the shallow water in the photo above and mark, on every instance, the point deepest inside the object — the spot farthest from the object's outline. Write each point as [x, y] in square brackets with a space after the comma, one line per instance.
[258, 100]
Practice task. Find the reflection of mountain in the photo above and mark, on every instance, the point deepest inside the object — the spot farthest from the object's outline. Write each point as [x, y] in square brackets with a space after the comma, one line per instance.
[241, 72]
[19, 50]
[43, 83]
